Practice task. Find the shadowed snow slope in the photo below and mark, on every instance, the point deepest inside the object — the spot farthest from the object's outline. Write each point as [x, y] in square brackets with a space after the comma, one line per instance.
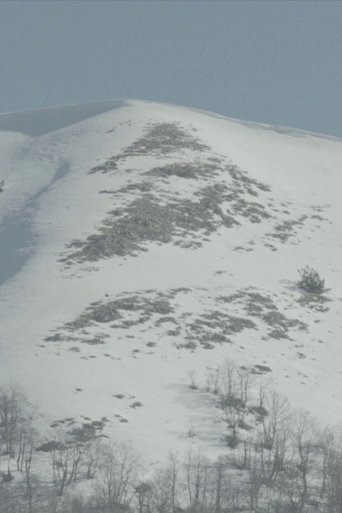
[142, 243]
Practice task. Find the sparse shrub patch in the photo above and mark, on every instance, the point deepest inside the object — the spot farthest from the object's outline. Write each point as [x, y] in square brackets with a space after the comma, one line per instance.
[310, 280]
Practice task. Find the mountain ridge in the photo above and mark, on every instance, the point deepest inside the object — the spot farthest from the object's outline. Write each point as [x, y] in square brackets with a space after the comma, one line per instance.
[106, 104]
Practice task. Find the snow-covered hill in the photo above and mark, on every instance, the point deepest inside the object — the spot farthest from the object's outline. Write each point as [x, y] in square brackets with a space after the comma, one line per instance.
[142, 245]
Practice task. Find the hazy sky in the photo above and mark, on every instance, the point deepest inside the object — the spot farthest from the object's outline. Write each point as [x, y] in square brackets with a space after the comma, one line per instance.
[276, 62]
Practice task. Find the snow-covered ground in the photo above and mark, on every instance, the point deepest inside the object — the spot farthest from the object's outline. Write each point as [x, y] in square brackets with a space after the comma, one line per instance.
[135, 239]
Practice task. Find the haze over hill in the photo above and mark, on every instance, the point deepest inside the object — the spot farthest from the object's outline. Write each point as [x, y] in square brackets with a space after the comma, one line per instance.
[142, 244]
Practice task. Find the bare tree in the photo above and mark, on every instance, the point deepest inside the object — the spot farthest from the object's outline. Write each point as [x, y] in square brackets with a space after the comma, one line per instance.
[326, 447]
[196, 468]
[66, 460]
[144, 494]
[12, 406]
[91, 456]
[304, 446]
[165, 488]
[245, 378]
[117, 477]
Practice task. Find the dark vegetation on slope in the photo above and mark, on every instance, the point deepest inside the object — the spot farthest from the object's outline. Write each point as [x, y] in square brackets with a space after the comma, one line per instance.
[223, 195]
[147, 220]
[310, 281]
[312, 286]
[160, 139]
[221, 318]
[261, 306]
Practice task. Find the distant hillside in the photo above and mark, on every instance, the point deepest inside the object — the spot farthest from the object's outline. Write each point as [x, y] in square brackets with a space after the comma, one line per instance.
[143, 245]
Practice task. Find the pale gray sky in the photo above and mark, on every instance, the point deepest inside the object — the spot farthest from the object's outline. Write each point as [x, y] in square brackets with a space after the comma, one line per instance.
[276, 62]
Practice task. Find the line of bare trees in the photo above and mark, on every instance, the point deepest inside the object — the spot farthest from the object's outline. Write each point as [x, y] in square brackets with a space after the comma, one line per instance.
[289, 464]
[276, 460]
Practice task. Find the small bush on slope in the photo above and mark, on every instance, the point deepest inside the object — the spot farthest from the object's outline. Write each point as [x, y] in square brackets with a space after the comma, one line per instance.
[310, 280]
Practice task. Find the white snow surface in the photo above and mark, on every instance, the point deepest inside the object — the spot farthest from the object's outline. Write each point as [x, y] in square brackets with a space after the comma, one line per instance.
[50, 199]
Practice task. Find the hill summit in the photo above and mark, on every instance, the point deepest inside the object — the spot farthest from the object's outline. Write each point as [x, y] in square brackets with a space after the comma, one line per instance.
[144, 245]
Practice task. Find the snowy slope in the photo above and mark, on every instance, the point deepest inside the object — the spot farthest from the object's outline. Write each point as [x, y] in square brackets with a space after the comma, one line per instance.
[142, 244]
